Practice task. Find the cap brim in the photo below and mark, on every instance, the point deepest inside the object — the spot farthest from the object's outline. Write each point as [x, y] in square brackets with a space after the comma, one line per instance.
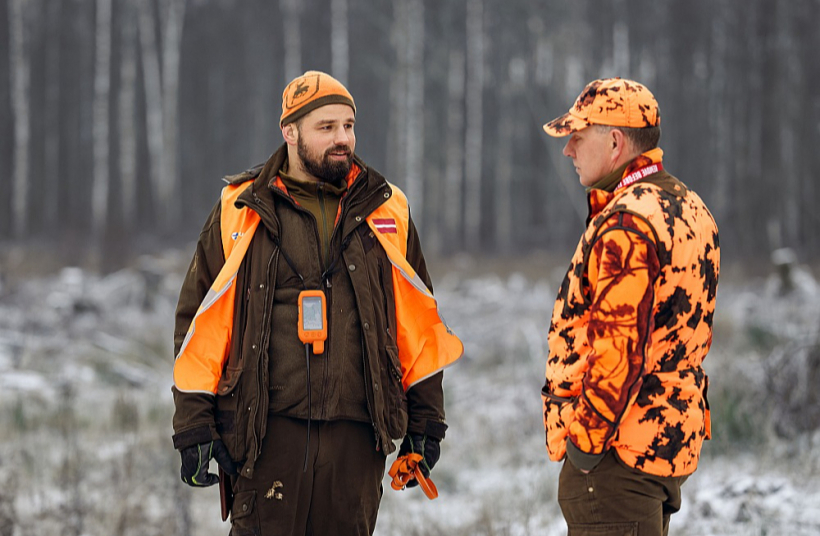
[565, 125]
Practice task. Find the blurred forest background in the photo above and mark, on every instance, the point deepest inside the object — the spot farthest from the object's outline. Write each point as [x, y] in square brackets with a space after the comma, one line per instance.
[118, 117]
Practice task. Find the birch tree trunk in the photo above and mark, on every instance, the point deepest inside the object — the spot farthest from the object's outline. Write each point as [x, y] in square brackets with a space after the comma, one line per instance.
[169, 182]
[127, 115]
[718, 113]
[52, 115]
[620, 41]
[454, 171]
[339, 40]
[291, 31]
[20, 73]
[396, 131]
[414, 50]
[766, 149]
[162, 102]
[503, 196]
[100, 128]
[503, 172]
[152, 80]
[790, 85]
[475, 123]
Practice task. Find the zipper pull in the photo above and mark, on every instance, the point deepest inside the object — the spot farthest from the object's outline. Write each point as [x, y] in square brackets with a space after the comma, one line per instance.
[327, 282]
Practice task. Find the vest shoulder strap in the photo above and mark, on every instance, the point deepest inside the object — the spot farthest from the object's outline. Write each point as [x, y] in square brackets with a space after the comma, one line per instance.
[247, 175]
[390, 224]
[391, 220]
[234, 222]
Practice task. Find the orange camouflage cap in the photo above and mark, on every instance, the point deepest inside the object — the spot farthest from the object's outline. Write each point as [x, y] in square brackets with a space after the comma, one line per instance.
[310, 91]
[612, 102]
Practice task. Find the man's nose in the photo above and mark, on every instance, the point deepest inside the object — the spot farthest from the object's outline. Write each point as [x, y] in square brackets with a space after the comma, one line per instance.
[567, 150]
[341, 137]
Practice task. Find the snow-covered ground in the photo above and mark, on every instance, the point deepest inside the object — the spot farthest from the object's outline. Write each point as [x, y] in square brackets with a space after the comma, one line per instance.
[85, 407]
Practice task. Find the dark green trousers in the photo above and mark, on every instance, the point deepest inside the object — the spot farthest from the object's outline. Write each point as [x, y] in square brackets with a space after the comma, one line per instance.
[616, 500]
[338, 494]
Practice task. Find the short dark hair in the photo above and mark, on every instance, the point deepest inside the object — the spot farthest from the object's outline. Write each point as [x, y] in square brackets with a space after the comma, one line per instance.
[642, 139]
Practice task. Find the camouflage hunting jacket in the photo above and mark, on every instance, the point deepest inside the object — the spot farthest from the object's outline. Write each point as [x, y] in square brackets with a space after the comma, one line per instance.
[631, 326]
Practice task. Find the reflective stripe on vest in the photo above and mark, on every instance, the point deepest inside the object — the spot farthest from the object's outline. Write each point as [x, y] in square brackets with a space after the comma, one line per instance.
[426, 345]
[202, 356]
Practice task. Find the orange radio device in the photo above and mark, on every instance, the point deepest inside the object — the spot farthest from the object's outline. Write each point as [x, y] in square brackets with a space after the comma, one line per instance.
[313, 319]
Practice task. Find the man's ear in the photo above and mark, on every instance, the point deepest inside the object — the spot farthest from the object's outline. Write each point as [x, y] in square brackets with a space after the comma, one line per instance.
[618, 142]
[290, 133]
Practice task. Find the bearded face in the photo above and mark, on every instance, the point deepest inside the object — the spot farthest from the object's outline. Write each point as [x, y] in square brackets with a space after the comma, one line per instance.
[331, 166]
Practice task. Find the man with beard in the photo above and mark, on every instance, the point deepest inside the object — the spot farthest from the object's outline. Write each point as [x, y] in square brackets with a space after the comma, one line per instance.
[307, 337]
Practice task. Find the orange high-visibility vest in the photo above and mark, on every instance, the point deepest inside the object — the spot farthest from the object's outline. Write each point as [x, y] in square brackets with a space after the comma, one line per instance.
[426, 345]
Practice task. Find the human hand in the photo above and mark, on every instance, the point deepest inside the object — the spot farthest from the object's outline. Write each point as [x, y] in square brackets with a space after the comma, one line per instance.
[428, 447]
[195, 460]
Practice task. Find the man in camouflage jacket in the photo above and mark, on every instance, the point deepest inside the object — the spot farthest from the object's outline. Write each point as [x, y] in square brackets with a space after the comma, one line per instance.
[625, 396]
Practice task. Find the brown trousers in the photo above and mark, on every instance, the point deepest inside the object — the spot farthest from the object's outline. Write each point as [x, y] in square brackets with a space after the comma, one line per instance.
[338, 494]
[617, 500]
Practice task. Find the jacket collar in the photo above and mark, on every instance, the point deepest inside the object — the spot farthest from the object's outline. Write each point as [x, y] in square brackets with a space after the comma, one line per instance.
[603, 192]
[361, 189]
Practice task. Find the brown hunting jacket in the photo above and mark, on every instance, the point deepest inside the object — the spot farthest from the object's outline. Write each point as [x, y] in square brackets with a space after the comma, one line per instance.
[358, 377]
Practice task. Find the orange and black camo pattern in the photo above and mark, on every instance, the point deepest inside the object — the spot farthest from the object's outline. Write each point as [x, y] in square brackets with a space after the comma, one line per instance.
[631, 326]
[609, 101]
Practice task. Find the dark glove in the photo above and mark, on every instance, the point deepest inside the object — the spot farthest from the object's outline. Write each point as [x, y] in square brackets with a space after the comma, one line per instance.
[428, 447]
[195, 460]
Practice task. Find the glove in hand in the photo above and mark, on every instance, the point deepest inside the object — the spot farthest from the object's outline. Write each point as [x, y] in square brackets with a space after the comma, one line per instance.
[195, 460]
[428, 447]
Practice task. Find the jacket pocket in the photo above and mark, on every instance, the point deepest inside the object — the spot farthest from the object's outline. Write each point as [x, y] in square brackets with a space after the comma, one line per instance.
[244, 517]
[556, 426]
[396, 403]
[228, 381]
[227, 401]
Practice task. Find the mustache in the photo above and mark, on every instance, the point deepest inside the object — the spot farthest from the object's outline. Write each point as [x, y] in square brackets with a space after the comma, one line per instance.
[339, 149]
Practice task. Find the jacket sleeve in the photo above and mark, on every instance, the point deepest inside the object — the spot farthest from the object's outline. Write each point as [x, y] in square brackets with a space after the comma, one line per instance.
[425, 400]
[194, 412]
[622, 269]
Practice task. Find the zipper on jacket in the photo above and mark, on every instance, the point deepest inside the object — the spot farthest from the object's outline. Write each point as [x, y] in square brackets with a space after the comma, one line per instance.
[322, 405]
[368, 377]
[300, 208]
[264, 338]
[367, 392]
[326, 252]
[260, 371]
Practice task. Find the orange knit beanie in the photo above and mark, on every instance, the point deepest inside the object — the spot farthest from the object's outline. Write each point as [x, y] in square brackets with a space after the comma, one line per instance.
[310, 91]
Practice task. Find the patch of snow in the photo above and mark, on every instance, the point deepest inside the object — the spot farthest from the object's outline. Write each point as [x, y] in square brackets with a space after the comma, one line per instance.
[24, 382]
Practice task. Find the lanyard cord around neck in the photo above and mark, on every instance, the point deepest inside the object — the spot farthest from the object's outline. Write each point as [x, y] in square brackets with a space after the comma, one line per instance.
[332, 269]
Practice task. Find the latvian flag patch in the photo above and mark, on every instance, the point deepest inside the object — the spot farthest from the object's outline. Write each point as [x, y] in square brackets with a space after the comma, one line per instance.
[385, 225]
